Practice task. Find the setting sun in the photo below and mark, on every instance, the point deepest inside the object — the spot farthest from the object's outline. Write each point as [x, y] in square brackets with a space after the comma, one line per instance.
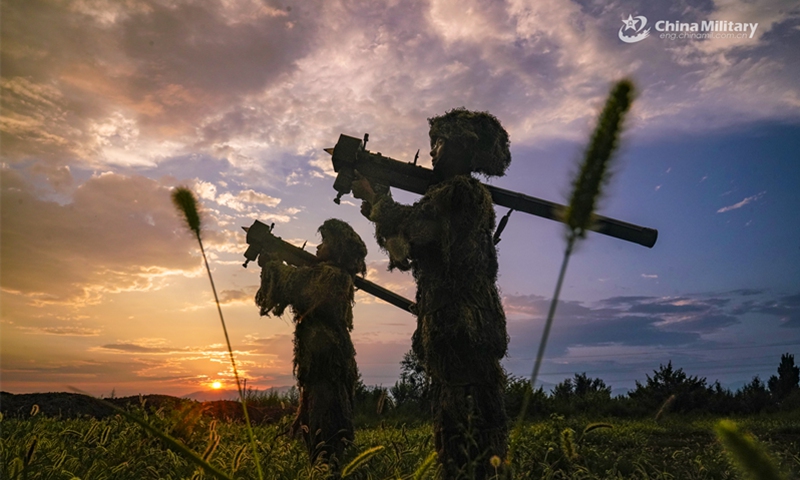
[216, 385]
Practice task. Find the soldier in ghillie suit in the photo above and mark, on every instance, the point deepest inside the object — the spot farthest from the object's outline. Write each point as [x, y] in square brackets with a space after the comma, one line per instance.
[445, 239]
[321, 297]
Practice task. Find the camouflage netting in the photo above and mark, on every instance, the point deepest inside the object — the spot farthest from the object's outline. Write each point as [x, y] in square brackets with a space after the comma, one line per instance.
[478, 133]
[446, 240]
[321, 298]
[347, 249]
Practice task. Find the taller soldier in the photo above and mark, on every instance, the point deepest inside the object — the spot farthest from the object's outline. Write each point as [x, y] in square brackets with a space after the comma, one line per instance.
[445, 239]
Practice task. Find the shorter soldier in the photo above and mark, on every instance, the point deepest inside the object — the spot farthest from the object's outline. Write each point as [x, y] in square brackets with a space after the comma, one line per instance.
[321, 297]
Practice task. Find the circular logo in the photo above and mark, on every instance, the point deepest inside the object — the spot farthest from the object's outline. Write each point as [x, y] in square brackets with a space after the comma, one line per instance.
[636, 24]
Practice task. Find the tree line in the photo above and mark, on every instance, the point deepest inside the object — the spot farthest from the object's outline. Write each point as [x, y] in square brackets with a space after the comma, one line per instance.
[667, 390]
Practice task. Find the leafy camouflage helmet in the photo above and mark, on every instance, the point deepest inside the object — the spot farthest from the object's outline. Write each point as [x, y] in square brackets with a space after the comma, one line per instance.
[347, 250]
[479, 133]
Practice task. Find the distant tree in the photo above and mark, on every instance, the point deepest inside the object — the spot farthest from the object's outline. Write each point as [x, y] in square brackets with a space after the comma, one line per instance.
[585, 386]
[413, 386]
[361, 390]
[516, 390]
[691, 393]
[581, 394]
[721, 400]
[581, 386]
[753, 397]
[371, 402]
[787, 380]
[563, 391]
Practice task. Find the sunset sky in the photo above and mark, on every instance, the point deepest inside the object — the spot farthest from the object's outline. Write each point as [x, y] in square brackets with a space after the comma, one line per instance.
[107, 105]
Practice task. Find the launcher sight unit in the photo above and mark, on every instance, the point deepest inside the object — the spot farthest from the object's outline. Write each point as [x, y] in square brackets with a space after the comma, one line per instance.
[350, 156]
[260, 238]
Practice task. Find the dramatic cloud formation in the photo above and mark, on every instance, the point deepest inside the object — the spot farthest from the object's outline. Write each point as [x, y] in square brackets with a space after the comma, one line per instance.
[246, 80]
[639, 329]
[78, 251]
[787, 308]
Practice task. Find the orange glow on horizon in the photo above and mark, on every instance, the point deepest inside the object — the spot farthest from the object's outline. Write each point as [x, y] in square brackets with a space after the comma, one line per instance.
[216, 385]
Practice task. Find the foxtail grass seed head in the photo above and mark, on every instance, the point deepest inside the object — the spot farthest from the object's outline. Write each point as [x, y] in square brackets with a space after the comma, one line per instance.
[213, 444]
[186, 203]
[568, 444]
[360, 460]
[595, 426]
[748, 455]
[593, 174]
[425, 466]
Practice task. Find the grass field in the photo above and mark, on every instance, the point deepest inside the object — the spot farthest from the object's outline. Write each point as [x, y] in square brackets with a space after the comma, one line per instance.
[41, 447]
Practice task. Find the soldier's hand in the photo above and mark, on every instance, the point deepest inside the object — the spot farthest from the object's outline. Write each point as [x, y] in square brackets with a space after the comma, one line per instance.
[366, 208]
[362, 189]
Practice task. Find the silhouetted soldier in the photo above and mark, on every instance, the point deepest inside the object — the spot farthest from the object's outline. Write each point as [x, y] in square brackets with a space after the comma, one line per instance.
[445, 239]
[321, 297]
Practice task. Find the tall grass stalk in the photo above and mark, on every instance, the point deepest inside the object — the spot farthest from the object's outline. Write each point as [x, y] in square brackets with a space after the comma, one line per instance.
[587, 188]
[186, 203]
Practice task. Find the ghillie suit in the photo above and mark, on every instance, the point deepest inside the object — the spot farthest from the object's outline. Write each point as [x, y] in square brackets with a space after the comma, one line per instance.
[446, 240]
[321, 297]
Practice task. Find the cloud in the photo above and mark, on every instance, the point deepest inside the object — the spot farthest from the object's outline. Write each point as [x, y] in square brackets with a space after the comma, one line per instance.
[142, 77]
[117, 233]
[746, 292]
[245, 295]
[632, 321]
[626, 300]
[259, 360]
[705, 323]
[134, 348]
[668, 306]
[538, 306]
[766, 13]
[262, 86]
[401, 283]
[63, 374]
[239, 201]
[786, 308]
[617, 338]
[257, 198]
[278, 349]
[741, 204]
[67, 331]
[380, 360]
